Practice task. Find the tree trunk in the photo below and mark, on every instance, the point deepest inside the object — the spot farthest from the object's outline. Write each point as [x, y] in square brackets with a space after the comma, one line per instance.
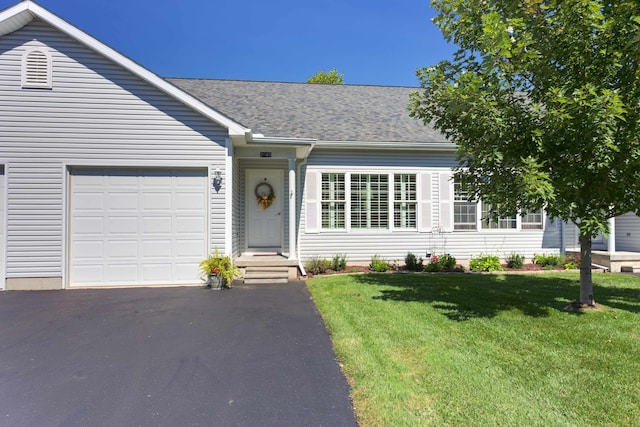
[586, 283]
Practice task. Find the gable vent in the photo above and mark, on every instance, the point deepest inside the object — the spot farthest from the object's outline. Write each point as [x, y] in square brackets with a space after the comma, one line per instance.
[36, 69]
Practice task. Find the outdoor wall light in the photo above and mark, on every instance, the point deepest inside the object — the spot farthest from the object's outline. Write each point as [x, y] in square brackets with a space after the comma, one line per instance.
[217, 178]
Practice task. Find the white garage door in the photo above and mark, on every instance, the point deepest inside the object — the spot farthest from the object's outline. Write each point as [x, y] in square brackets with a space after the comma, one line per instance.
[3, 255]
[137, 227]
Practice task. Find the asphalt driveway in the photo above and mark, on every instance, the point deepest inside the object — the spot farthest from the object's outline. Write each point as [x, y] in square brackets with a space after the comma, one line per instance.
[249, 356]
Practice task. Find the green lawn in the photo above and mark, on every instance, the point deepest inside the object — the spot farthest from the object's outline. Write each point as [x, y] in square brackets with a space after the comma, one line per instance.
[485, 350]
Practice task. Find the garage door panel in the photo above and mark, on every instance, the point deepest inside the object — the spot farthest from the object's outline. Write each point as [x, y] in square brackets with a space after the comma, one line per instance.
[186, 224]
[189, 248]
[157, 201]
[123, 201]
[160, 224]
[88, 250]
[117, 249]
[189, 201]
[157, 248]
[87, 225]
[137, 227]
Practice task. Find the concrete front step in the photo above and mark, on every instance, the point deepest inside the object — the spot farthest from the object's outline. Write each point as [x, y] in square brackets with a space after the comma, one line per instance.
[267, 269]
[255, 275]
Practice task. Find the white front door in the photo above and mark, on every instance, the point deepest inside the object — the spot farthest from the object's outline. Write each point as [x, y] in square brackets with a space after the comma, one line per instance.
[264, 217]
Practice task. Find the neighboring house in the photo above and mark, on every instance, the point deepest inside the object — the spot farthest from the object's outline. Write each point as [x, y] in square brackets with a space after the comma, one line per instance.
[111, 175]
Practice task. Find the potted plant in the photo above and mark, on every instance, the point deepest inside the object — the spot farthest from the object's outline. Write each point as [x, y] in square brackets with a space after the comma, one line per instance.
[218, 271]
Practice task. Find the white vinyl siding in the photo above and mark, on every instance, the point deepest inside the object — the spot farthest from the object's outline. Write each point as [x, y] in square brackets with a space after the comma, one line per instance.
[404, 201]
[628, 232]
[434, 212]
[96, 114]
[2, 227]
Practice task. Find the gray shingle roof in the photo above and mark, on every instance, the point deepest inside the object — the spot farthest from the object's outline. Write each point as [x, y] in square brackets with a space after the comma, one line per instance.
[322, 112]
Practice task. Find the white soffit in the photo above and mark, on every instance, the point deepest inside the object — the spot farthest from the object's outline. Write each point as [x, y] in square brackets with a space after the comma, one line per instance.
[21, 14]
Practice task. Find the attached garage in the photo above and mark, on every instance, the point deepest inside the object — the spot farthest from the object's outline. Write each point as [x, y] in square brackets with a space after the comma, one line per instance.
[136, 226]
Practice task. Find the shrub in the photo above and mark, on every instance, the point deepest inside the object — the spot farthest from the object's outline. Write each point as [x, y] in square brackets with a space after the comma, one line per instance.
[339, 262]
[485, 263]
[441, 263]
[317, 265]
[548, 260]
[378, 264]
[413, 263]
[571, 262]
[515, 260]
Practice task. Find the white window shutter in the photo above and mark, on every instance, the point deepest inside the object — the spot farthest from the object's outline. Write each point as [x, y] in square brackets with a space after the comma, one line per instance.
[446, 202]
[426, 203]
[312, 206]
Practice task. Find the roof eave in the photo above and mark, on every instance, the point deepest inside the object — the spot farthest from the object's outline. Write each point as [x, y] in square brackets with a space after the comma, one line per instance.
[386, 145]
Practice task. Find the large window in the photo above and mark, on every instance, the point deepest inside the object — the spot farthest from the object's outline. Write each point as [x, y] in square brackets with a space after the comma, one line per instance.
[500, 223]
[464, 211]
[369, 201]
[404, 201]
[333, 201]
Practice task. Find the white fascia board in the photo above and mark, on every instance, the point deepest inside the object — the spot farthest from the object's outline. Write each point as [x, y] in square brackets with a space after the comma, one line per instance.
[347, 145]
[35, 10]
[260, 139]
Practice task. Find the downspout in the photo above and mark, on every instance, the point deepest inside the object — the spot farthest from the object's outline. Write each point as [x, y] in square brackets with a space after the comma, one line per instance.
[301, 193]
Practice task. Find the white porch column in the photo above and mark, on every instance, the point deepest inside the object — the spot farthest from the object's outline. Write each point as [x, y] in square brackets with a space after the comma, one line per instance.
[292, 209]
[612, 236]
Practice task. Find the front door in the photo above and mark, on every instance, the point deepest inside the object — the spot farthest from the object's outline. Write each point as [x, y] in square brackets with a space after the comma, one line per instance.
[265, 201]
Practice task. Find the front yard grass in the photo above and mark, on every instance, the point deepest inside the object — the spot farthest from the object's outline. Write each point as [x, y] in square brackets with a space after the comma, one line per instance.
[485, 350]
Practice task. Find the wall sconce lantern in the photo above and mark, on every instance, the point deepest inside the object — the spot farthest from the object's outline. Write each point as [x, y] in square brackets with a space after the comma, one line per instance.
[217, 178]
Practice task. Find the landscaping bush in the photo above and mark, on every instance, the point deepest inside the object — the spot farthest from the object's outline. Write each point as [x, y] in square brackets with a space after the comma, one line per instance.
[413, 263]
[339, 262]
[378, 264]
[441, 263]
[485, 263]
[571, 262]
[548, 260]
[515, 261]
[317, 265]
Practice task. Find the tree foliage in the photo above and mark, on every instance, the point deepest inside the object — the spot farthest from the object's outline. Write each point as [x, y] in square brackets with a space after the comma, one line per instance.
[332, 77]
[543, 100]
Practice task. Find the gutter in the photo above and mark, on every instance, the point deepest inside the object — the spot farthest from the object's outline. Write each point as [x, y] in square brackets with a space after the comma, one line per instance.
[346, 145]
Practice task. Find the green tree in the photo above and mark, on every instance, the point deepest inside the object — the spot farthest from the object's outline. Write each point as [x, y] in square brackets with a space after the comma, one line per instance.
[542, 99]
[327, 78]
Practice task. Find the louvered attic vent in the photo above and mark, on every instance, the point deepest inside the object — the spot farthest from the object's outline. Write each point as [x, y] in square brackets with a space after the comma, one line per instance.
[36, 69]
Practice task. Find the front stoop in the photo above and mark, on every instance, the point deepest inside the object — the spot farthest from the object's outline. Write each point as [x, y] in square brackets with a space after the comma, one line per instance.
[267, 269]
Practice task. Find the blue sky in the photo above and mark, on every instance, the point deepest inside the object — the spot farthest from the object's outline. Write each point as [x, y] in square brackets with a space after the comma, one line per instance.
[377, 42]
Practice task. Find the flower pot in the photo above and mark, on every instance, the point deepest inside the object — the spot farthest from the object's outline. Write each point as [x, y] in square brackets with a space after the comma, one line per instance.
[215, 282]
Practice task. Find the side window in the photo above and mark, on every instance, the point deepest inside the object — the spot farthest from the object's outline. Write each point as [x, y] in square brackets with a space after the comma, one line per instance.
[532, 220]
[369, 201]
[404, 201]
[36, 69]
[500, 223]
[333, 201]
[464, 211]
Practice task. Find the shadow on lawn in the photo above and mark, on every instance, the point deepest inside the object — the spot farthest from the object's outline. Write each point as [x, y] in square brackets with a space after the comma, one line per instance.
[465, 296]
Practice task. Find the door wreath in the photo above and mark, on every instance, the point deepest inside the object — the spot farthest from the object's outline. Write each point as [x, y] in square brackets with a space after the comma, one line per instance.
[264, 195]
